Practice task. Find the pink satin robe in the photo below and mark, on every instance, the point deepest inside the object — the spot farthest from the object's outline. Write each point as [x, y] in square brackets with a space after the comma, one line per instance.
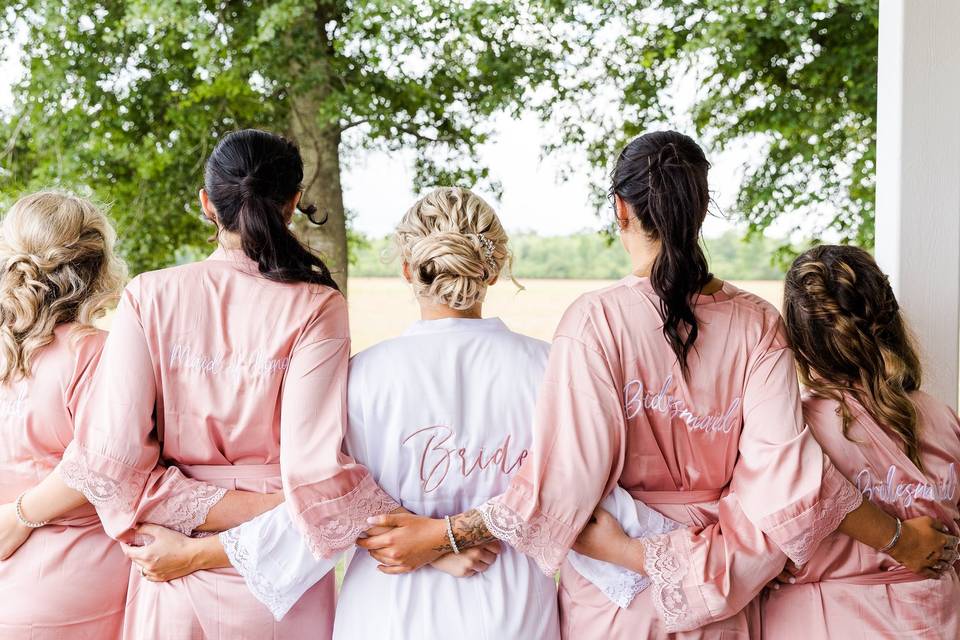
[724, 451]
[215, 378]
[69, 580]
[848, 590]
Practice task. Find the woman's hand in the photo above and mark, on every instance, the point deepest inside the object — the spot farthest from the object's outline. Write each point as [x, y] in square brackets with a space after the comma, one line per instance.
[787, 576]
[169, 555]
[604, 539]
[469, 562]
[12, 533]
[411, 542]
[925, 547]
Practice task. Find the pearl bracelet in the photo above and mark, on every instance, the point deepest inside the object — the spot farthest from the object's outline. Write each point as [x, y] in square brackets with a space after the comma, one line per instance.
[894, 540]
[24, 521]
[453, 540]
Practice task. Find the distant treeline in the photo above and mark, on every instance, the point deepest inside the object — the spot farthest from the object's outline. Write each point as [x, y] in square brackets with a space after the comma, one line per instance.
[590, 256]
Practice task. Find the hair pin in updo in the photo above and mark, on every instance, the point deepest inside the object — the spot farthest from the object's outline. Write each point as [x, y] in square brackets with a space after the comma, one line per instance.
[488, 249]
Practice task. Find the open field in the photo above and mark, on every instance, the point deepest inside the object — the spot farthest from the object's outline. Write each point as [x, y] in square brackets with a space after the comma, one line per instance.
[382, 308]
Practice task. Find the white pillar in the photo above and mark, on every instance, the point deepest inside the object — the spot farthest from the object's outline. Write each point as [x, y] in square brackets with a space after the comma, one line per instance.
[918, 177]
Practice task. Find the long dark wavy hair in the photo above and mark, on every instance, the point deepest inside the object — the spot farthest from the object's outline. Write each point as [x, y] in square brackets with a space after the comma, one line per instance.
[251, 177]
[662, 177]
[850, 338]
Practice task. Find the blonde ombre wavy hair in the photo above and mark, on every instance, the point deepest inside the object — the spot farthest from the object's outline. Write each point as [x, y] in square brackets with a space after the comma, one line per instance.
[454, 246]
[57, 265]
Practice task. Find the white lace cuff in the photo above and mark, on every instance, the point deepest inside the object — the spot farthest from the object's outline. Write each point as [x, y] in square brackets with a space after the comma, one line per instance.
[274, 560]
[619, 584]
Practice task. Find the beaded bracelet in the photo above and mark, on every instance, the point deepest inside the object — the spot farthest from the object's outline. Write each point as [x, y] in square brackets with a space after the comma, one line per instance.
[24, 521]
[453, 540]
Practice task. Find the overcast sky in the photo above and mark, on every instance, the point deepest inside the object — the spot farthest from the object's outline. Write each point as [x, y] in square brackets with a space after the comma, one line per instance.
[377, 186]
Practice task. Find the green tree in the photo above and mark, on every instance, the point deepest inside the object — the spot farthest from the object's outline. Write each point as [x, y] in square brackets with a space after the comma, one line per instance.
[797, 79]
[125, 99]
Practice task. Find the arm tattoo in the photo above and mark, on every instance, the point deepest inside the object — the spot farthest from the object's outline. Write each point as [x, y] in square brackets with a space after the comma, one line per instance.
[468, 530]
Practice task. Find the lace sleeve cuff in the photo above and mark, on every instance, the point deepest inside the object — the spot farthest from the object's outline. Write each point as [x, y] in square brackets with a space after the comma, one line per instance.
[186, 510]
[244, 559]
[274, 560]
[332, 526]
[538, 536]
[681, 607]
[104, 482]
[838, 498]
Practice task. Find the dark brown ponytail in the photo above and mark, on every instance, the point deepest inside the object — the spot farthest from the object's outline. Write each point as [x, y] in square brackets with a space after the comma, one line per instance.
[662, 177]
[250, 178]
[849, 338]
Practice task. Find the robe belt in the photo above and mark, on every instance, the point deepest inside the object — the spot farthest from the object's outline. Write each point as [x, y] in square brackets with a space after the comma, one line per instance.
[677, 497]
[212, 472]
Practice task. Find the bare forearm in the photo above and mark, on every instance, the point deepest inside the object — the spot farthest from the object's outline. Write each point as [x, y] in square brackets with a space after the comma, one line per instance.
[238, 507]
[51, 499]
[869, 524]
[209, 553]
[469, 530]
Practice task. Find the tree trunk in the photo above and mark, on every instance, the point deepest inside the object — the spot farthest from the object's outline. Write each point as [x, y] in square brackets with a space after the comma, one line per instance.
[319, 142]
[320, 148]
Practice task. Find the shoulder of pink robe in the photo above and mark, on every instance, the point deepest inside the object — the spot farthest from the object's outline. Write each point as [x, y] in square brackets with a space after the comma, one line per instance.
[87, 348]
[329, 495]
[578, 436]
[114, 457]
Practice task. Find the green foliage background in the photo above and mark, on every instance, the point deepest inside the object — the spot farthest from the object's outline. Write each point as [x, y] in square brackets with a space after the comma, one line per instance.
[123, 99]
[794, 80]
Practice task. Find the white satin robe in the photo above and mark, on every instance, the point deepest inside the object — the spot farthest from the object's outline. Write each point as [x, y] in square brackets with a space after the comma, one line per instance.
[441, 416]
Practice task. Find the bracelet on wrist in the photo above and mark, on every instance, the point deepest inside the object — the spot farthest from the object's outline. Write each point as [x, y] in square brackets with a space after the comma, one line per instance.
[894, 540]
[453, 539]
[22, 520]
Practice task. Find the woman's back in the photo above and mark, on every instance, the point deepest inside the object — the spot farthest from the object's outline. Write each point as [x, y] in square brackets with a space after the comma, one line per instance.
[219, 338]
[890, 600]
[699, 448]
[85, 595]
[442, 417]
[693, 421]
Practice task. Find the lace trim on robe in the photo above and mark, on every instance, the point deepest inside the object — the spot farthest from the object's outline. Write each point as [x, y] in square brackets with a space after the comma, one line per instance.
[537, 537]
[244, 560]
[100, 489]
[186, 511]
[330, 535]
[830, 512]
[666, 568]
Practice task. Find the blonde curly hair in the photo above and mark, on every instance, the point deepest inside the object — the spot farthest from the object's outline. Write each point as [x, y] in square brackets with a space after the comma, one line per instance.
[455, 247]
[57, 265]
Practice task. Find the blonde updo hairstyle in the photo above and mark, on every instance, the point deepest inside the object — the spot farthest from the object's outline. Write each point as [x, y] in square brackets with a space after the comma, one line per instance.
[57, 265]
[454, 246]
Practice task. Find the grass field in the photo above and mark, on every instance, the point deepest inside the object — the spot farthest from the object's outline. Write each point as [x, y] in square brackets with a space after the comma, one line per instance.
[382, 308]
